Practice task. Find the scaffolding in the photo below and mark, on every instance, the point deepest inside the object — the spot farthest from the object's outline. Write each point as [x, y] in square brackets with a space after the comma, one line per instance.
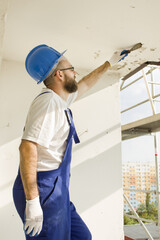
[149, 125]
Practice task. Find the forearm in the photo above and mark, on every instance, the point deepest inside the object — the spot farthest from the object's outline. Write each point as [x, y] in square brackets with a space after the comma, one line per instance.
[92, 78]
[28, 168]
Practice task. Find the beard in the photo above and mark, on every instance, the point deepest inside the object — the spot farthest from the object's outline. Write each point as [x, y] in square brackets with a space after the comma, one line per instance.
[70, 84]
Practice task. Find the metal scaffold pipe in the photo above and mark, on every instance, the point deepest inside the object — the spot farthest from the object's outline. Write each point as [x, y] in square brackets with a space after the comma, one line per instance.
[156, 159]
[157, 179]
[149, 95]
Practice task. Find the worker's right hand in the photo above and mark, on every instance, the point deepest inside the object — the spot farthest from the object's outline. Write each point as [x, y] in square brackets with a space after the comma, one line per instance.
[33, 217]
[117, 57]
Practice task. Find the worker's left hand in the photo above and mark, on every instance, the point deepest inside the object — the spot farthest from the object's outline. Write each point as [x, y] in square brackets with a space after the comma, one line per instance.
[33, 217]
[117, 57]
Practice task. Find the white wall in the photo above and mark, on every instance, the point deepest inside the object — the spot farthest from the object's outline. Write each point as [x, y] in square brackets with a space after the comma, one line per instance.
[3, 17]
[96, 183]
[96, 166]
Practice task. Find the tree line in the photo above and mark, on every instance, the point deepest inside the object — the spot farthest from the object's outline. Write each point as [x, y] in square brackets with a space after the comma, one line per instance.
[145, 210]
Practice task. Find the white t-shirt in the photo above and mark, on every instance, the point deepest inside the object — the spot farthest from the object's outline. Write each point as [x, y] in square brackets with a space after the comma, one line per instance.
[47, 125]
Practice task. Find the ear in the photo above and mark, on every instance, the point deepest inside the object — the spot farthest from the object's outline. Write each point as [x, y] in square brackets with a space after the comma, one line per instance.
[59, 74]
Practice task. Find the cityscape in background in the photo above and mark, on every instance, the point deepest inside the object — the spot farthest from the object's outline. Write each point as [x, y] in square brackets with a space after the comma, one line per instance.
[138, 175]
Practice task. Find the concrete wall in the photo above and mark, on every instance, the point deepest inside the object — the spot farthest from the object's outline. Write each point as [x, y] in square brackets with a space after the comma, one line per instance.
[96, 182]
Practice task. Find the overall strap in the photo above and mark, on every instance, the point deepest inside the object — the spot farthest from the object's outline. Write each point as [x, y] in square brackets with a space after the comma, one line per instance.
[42, 93]
[71, 123]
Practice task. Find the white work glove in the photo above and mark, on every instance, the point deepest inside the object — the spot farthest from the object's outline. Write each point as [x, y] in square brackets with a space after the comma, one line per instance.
[33, 217]
[117, 57]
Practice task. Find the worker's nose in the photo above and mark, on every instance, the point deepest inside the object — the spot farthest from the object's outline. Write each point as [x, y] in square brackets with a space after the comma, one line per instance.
[76, 73]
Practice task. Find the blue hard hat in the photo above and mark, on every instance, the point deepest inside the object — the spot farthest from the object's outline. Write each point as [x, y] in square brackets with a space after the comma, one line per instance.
[40, 61]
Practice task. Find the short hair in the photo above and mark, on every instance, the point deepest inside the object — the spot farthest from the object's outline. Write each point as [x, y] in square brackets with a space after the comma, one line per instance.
[49, 78]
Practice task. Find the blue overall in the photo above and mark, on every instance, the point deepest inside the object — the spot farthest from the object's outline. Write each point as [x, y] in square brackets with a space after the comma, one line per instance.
[61, 221]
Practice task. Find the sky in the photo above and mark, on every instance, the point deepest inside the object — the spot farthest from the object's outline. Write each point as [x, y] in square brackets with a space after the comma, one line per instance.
[140, 148]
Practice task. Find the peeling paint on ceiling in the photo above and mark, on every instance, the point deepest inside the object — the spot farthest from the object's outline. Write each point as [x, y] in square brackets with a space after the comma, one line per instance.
[90, 31]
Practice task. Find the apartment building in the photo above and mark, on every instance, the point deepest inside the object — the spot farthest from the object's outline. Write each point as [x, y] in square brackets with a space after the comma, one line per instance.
[138, 175]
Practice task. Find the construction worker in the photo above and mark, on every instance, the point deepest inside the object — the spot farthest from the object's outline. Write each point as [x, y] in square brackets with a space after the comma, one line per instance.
[40, 191]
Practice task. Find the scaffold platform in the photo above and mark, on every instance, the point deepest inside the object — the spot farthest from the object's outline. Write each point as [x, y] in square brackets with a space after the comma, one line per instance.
[141, 127]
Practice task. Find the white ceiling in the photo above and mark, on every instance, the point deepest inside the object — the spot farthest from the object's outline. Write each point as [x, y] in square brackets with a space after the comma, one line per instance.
[91, 30]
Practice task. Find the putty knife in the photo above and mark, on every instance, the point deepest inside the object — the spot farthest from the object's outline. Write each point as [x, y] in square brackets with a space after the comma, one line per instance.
[135, 47]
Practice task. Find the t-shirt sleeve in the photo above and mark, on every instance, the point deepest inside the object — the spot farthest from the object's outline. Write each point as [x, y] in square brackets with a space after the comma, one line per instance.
[41, 122]
[72, 97]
